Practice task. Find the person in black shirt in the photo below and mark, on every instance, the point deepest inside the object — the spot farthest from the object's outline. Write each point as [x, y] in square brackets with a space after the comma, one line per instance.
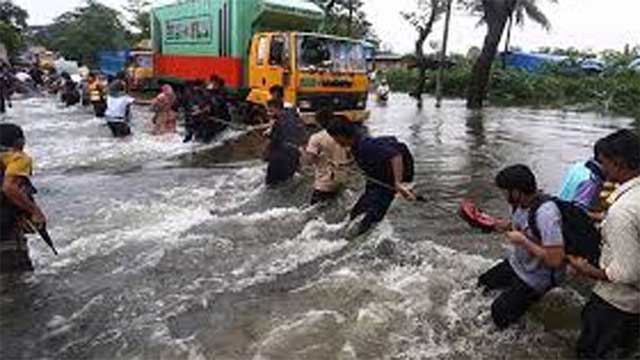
[286, 135]
[6, 79]
[381, 160]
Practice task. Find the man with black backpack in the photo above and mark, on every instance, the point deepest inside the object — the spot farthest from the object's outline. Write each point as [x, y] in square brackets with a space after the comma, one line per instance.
[387, 165]
[611, 318]
[535, 262]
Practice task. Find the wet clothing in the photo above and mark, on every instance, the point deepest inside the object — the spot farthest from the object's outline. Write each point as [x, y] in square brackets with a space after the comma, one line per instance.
[14, 253]
[283, 155]
[118, 115]
[119, 129]
[36, 74]
[611, 318]
[187, 107]
[212, 115]
[582, 184]
[607, 330]
[373, 156]
[165, 117]
[529, 268]
[620, 257]
[118, 107]
[98, 98]
[375, 202]
[70, 94]
[516, 296]
[318, 196]
[523, 277]
[330, 171]
[5, 90]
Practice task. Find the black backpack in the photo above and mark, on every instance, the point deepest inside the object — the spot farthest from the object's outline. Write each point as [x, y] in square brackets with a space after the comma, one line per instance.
[581, 237]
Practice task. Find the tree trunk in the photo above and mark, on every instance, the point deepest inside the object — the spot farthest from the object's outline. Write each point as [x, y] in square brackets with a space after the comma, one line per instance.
[350, 23]
[421, 66]
[496, 15]
[507, 42]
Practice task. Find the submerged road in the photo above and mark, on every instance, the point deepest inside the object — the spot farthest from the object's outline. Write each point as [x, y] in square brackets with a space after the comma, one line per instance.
[178, 251]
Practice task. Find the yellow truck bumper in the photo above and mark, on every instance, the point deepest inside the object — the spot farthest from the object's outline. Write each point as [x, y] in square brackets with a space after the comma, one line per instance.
[357, 116]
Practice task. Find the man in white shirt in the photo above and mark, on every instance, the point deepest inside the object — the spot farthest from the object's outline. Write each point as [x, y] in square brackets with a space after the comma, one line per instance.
[611, 318]
[118, 112]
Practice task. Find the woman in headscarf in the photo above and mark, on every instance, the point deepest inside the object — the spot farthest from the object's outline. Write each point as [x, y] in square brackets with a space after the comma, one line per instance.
[165, 117]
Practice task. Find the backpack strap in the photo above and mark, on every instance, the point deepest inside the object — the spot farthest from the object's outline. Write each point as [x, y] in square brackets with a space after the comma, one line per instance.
[595, 169]
[540, 200]
[533, 211]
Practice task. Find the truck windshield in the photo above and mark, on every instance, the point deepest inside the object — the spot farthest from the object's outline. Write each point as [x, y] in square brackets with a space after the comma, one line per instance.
[320, 53]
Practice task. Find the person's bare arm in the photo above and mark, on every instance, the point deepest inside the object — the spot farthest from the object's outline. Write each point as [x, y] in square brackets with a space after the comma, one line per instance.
[552, 256]
[397, 167]
[582, 267]
[11, 189]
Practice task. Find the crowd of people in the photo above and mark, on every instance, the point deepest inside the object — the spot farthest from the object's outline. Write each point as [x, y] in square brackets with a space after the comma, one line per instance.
[544, 230]
[204, 106]
[546, 233]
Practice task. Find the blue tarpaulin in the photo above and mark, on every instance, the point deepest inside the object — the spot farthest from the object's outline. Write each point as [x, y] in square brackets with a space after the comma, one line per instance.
[112, 62]
[531, 62]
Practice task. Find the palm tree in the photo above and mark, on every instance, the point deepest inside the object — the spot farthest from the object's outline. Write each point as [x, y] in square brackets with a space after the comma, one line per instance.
[530, 9]
[496, 14]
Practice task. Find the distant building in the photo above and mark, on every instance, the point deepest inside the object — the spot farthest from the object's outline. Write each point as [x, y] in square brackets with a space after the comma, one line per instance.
[388, 61]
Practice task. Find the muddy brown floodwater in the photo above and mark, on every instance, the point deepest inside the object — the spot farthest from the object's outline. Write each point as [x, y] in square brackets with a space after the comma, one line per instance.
[178, 251]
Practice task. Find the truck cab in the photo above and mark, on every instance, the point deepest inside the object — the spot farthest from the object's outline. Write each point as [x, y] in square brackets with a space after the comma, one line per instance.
[255, 44]
[317, 71]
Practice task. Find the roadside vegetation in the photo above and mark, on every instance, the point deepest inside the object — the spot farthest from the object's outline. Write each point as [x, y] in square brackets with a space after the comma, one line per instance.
[616, 90]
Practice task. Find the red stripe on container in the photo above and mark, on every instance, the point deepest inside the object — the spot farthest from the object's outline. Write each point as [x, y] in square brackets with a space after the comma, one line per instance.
[200, 67]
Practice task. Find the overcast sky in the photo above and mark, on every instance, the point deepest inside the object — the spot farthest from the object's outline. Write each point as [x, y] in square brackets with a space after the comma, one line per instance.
[595, 24]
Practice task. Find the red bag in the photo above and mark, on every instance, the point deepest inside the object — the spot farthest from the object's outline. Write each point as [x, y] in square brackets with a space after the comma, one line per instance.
[475, 217]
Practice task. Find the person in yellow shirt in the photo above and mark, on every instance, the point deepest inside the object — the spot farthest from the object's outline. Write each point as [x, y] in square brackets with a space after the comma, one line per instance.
[16, 200]
[97, 95]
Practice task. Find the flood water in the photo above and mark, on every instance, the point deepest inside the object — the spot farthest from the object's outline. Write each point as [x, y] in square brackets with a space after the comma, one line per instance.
[178, 251]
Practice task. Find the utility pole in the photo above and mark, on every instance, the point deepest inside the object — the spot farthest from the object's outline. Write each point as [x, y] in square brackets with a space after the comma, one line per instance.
[443, 56]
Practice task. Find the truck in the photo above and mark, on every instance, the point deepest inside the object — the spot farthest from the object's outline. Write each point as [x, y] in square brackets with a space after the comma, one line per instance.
[255, 44]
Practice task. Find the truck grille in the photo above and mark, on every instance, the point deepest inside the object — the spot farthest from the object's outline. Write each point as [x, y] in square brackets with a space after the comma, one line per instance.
[310, 102]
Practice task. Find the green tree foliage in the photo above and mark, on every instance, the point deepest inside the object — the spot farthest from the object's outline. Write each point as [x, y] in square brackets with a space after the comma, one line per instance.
[346, 18]
[82, 33]
[427, 13]
[496, 14]
[616, 90]
[140, 18]
[13, 21]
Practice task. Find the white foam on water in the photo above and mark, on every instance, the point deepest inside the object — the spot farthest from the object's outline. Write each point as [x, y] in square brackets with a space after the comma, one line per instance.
[301, 334]
[161, 223]
[63, 138]
[282, 257]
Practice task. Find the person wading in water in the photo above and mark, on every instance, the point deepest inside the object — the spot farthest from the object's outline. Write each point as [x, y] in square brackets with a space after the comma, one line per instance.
[385, 162]
[17, 206]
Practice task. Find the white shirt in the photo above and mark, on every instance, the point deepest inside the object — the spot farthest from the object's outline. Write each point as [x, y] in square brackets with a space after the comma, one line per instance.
[620, 257]
[117, 107]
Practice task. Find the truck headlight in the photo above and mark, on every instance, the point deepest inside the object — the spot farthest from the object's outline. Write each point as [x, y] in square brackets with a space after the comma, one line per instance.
[304, 104]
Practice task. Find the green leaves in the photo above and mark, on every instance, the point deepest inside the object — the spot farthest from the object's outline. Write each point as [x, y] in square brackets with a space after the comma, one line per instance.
[346, 18]
[140, 18]
[82, 33]
[617, 92]
[13, 21]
